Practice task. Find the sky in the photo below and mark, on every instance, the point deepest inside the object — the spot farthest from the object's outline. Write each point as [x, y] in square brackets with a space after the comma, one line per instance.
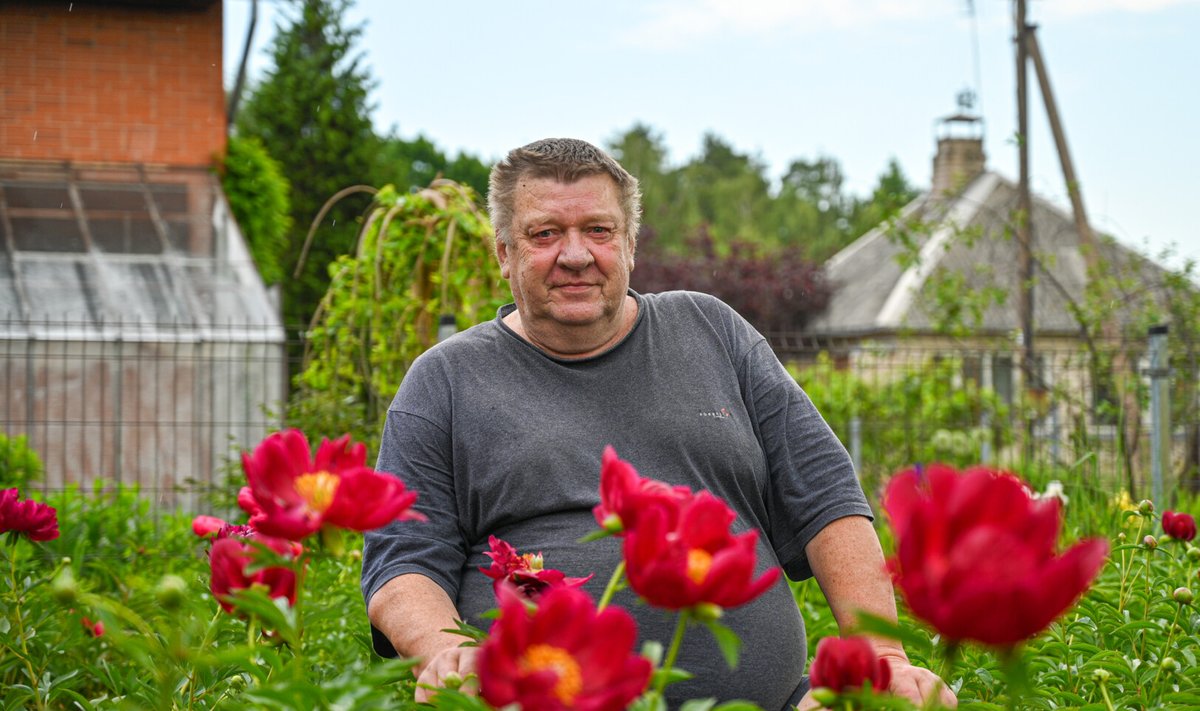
[861, 81]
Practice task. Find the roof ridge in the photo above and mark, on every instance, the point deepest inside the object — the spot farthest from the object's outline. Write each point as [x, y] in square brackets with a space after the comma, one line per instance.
[963, 208]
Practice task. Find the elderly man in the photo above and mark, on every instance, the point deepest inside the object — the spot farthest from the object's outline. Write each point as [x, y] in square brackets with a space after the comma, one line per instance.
[500, 429]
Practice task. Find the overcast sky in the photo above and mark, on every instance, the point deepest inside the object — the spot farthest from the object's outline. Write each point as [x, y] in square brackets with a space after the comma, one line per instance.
[862, 81]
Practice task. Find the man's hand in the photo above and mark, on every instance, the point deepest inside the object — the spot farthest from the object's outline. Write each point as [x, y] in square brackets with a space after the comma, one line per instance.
[910, 682]
[449, 663]
[917, 684]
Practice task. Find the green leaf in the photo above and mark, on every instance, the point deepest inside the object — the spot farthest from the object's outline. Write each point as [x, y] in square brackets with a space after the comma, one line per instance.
[671, 675]
[595, 536]
[738, 705]
[727, 640]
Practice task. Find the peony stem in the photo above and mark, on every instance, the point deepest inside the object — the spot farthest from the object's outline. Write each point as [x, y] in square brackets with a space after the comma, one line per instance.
[613, 584]
[1122, 596]
[1166, 646]
[1104, 692]
[300, 564]
[672, 652]
[12, 573]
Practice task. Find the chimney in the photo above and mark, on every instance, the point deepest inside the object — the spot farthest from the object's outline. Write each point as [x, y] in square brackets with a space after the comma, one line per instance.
[960, 158]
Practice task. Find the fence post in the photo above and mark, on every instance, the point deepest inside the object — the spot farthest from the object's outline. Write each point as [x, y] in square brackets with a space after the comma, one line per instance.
[1160, 412]
[447, 327]
[987, 386]
[856, 443]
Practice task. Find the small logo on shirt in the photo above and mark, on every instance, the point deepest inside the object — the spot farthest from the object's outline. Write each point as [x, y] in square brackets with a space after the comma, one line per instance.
[722, 414]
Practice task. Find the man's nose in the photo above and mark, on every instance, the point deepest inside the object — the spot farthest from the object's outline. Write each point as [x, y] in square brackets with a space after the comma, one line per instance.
[575, 252]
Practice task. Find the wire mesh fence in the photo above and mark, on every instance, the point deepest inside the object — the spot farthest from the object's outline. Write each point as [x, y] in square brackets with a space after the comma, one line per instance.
[167, 410]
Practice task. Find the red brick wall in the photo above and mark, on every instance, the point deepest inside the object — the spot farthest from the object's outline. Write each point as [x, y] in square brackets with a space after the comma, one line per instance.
[91, 81]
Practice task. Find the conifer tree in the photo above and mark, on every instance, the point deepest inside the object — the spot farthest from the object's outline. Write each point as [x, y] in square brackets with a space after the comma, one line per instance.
[311, 112]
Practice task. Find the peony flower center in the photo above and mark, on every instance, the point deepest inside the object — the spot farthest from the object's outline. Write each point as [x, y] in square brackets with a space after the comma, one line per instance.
[698, 563]
[544, 656]
[317, 489]
[533, 561]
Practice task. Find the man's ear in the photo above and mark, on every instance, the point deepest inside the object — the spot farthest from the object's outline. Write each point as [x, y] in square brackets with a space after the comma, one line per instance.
[502, 257]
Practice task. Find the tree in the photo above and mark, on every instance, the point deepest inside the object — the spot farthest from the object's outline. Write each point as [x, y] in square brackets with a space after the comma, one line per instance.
[891, 194]
[311, 113]
[413, 165]
[642, 152]
[773, 291]
[726, 192]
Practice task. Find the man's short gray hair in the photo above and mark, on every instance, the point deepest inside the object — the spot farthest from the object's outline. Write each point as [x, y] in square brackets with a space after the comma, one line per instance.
[564, 160]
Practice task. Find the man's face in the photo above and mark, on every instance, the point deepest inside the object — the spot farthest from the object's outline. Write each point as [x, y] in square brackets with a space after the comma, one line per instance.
[570, 260]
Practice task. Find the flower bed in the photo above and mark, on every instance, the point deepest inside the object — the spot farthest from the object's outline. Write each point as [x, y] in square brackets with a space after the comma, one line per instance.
[102, 605]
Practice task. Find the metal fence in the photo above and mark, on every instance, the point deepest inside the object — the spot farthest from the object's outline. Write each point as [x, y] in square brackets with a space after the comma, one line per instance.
[169, 409]
[1119, 414]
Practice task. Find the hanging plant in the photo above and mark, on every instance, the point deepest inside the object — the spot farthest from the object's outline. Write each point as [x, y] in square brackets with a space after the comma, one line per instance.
[422, 258]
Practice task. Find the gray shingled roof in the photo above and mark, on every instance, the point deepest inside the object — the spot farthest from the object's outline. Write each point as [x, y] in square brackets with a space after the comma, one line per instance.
[968, 234]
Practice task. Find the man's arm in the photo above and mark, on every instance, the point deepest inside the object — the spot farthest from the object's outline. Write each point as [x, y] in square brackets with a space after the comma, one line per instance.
[412, 610]
[848, 564]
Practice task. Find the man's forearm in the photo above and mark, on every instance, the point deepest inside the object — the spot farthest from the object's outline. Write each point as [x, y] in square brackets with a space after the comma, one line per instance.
[412, 610]
[848, 563]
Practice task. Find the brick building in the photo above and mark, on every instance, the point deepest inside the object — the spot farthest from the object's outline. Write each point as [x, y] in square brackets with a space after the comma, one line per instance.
[137, 342]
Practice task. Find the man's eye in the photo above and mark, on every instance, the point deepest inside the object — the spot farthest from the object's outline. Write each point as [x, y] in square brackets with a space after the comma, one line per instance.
[599, 230]
[543, 234]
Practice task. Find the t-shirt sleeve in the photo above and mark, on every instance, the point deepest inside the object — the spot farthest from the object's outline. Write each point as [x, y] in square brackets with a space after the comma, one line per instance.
[811, 479]
[417, 451]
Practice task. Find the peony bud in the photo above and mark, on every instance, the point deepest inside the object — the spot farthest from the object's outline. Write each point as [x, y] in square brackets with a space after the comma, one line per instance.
[63, 587]
[1150, 542]
[170, 591]
[1121, 536]
[1101, 675]
[1193, 553]
[1145, 507]
[1183, 596]
[1169, 665]
[707, 612]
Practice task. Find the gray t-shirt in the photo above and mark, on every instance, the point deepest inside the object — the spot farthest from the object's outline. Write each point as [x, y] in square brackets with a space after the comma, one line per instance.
[498, 438]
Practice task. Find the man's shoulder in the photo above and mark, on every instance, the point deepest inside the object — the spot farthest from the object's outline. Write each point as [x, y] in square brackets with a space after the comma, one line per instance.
[682, 300]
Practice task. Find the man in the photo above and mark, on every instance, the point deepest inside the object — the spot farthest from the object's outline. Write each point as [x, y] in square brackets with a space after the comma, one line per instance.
[501, 428]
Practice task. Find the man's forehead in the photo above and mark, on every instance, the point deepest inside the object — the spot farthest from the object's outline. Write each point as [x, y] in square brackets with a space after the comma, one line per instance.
[536, 195]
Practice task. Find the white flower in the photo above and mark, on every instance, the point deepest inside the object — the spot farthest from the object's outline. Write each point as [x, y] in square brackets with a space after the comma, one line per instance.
[1054, 490]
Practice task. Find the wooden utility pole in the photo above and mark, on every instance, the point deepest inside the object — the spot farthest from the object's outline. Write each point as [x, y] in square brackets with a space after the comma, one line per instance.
[1024, 209]
[1087, 241]
[1122, 361]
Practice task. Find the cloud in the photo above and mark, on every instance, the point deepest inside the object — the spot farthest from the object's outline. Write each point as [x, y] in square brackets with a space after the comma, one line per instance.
[668, 24]
[1080, 8]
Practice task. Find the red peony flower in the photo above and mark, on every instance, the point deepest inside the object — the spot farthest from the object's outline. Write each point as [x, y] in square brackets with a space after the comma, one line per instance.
[564, 655]
[848, 664]
[1180, 526]
[95, 628]
[207, 526]
[37, 521]
[526, 572]
[234, 568]
[623, 494]
[296, 494]
[975, 554]
[246, 502]
[696, 561]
